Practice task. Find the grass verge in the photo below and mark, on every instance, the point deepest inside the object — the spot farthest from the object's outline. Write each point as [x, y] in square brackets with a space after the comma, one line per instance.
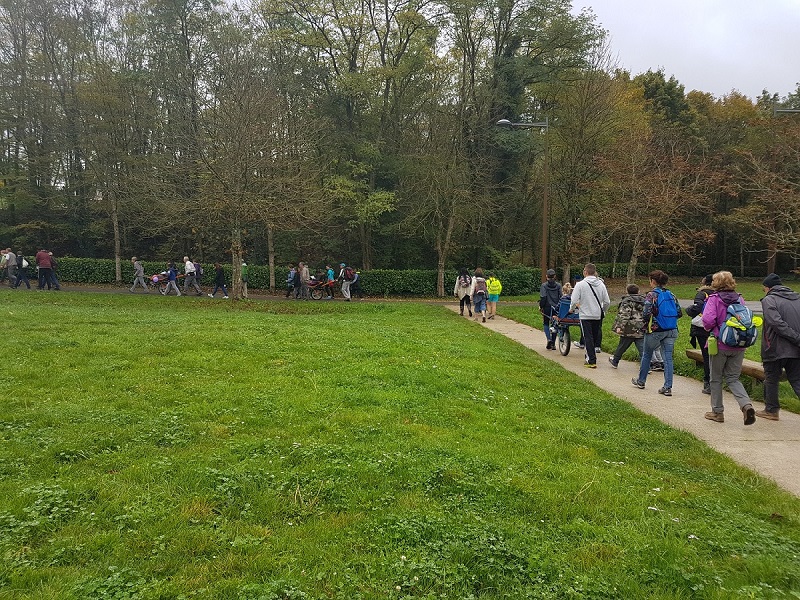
[184, 448]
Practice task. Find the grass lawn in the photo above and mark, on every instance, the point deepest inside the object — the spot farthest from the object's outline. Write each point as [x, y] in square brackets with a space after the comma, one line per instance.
[163, 448]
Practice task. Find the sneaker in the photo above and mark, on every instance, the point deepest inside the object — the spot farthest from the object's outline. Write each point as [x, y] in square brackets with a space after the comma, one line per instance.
[611, 360]
[470, 312]
[637, 383]
[657, 367]
[549, 345]
[665, 391]
[590, 365]
[770, 416]
[491, 316]
[717, 417]
[224, 297]
[598, 351]
[749, 415]
[707, 388]
[578, 345]
[461, 313]
[484, 320]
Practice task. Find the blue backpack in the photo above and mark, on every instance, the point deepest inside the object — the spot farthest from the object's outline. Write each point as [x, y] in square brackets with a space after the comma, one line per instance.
[739, 330]
[666, 310]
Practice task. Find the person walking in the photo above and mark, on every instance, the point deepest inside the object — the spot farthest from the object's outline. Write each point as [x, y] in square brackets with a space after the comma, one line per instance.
[661, 313]
[305, 277]
[45, 265]
[172, 280]
[698, 336]
[244, 280]
[355, 285]
[138, 275]
[191, 277]
[330, 281]
[629, 324]
[22, 272]
[11, 267]
[346, 276]
[461, 291]
[479, 294]
[290, 280]
[549, 299]
[495, 288]
[219, 282]
[726, 363]
[590, 298]
[780, 343]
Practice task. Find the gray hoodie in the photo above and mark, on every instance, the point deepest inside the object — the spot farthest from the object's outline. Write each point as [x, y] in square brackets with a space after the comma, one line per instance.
[589, 307]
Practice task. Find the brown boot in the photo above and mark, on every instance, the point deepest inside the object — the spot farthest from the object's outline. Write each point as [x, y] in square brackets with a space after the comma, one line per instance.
[771, 416]
[749, 414]
[717, 417]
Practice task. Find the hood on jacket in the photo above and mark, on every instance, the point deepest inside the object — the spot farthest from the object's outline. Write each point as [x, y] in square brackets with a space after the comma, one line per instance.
[551, 284]
[729, 297]
[635, 297]
[784, 292]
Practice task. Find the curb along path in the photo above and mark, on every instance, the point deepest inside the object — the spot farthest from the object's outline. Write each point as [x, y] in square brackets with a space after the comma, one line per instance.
[770, 448]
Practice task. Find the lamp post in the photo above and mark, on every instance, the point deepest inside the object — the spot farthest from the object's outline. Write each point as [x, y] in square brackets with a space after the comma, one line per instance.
[546, 193]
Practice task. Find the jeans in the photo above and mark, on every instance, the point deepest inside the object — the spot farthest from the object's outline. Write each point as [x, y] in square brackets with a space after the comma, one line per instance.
[727, 365]
[772, 376]
[590, 328]
[665, 341]
[624, 344]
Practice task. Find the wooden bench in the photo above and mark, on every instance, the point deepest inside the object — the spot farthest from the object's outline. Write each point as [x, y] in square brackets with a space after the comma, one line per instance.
[750, 368]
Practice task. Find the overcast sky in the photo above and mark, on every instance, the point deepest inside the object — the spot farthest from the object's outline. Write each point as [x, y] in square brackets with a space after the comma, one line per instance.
[709, 45]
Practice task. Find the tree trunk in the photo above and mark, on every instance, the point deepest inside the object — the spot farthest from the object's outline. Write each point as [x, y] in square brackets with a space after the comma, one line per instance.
[443, 250]
[236, 259]
[631, 277]
[772, 257]
[117, 238]
[271, 256]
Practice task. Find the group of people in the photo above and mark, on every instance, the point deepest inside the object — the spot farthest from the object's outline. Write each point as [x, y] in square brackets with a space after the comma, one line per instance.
[192, 274]
[478, 291]
[300, 282]
[650, 322]
[15, 268]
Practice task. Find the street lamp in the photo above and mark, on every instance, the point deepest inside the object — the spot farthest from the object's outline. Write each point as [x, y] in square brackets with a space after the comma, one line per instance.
[546, 194]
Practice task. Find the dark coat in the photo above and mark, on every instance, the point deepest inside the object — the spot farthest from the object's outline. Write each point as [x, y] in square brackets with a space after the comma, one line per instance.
[781, 338]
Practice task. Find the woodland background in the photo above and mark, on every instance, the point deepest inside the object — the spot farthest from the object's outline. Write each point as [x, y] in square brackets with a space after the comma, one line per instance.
[365, 131]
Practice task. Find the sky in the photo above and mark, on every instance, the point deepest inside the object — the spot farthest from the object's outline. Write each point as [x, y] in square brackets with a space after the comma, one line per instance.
[713, 46]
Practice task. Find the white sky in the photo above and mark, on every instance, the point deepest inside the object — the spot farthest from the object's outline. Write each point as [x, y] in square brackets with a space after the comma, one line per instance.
[709, 45]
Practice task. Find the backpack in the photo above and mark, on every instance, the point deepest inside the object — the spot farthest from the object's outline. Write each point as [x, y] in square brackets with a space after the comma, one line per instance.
[464, 280]
[666, 310]
[480, 287]
[739, 330]
[630, 317]
[198, 269]
[349, 274]
[493, 286]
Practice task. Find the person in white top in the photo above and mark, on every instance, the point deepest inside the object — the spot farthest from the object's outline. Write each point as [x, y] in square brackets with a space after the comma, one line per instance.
[590, 298]
[191, 277]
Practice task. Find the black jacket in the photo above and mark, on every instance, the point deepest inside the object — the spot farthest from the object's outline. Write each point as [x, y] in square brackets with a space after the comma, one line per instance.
[696, 308]
[781, 337]
[549, 297]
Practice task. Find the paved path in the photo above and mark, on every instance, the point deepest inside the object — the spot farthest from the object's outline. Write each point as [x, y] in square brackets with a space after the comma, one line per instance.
[770, 448]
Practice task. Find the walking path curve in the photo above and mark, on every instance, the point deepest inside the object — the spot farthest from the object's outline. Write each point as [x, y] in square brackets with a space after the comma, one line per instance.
[770, 448]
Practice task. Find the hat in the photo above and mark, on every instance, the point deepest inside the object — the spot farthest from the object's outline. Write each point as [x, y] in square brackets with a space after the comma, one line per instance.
[772, 280]
[551, 273]
[341, 264]
[708, 279]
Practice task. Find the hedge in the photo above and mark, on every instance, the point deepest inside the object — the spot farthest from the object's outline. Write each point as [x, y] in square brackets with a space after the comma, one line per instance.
[378, 282]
